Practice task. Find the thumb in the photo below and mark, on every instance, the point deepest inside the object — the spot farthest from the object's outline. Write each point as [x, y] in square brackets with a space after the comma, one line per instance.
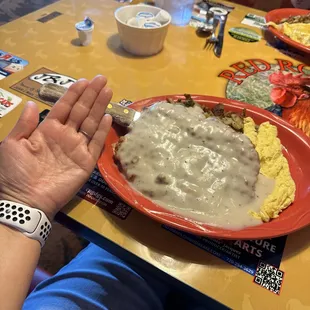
[27, 122]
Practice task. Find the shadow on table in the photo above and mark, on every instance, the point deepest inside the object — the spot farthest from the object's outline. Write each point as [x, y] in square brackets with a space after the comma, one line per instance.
[115, 46]
[297, 242]
[140, 64]
[165, 244]
[286, 49]
[76, 42]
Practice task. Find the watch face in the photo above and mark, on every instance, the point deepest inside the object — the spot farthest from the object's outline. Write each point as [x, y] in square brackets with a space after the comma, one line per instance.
[43, 115]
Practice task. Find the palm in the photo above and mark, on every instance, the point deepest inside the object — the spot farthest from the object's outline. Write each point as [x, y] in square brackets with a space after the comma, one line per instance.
[47, 168]
[65, 146]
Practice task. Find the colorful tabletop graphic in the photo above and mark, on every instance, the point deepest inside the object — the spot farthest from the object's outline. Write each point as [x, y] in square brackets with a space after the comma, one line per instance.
[10, 64]
[243, 254]
[8, 102]
[279, 87]
[31, 84]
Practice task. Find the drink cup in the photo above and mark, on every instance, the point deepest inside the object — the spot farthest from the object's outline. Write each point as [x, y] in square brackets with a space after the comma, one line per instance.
[180, 10]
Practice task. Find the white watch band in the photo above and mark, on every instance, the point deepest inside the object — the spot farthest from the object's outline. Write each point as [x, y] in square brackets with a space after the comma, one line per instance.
[33, 223]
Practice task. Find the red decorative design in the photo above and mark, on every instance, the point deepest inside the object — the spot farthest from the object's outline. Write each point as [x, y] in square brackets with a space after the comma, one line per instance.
[293, 94]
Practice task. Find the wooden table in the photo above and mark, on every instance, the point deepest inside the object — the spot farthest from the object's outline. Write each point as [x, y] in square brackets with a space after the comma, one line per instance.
[183, 66]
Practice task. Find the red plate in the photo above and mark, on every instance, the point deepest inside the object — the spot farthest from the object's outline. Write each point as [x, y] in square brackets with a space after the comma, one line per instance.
[276, 15]
[296, 150]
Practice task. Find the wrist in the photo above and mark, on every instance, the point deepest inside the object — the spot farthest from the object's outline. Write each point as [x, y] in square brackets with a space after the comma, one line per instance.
[12, 235]
[30, 202]
[33, 223]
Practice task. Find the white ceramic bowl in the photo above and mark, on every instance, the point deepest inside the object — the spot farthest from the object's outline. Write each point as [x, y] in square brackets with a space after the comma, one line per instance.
[140, 41]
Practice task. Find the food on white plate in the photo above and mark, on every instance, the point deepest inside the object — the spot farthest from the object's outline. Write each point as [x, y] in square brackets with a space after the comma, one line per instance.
[295, 27]
[189, 161]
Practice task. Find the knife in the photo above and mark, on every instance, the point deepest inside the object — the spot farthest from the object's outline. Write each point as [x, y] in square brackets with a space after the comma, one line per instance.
[121, 115]
[220, 38]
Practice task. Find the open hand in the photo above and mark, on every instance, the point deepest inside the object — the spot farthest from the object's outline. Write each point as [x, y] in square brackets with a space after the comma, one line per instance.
[44, 166]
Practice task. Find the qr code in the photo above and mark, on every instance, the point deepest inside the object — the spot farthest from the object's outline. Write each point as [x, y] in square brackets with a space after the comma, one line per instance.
[121, 210]
[269, 277]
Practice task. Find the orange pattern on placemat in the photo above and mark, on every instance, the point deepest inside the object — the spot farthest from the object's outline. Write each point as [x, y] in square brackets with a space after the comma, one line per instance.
[293, 95]
[299, 115]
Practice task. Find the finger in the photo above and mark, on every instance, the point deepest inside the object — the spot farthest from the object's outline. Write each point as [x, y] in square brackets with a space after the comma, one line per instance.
[92, 121]
[95, 146]
[81, 109]
[63, 107]
[27, 122]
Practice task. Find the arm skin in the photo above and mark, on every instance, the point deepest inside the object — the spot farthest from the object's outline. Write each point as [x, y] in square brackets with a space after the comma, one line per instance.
[43, 167]
[19, 256]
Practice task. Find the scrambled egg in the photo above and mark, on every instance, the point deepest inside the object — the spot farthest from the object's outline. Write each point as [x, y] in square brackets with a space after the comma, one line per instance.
[299, 32]
[249, 130]
[272, 165]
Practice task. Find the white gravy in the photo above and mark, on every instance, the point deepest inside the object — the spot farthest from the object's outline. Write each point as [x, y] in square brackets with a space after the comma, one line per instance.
[194, 166]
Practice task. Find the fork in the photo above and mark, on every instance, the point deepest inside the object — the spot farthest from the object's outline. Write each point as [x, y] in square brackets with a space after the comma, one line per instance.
[210, 41]
[213, 39]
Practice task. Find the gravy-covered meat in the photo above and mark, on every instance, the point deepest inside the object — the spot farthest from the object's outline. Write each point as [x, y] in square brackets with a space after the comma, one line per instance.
[194, 166]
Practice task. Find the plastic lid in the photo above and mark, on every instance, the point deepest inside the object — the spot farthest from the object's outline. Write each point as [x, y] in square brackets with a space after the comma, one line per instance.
[145, 15]
[151, 24]
[86, 24]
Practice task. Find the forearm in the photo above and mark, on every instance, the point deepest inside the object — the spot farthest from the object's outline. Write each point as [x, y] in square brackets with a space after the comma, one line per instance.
[18, 259]
[42, 166]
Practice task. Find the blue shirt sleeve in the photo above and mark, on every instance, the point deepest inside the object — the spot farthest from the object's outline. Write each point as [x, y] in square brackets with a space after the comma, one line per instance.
[94, 280]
